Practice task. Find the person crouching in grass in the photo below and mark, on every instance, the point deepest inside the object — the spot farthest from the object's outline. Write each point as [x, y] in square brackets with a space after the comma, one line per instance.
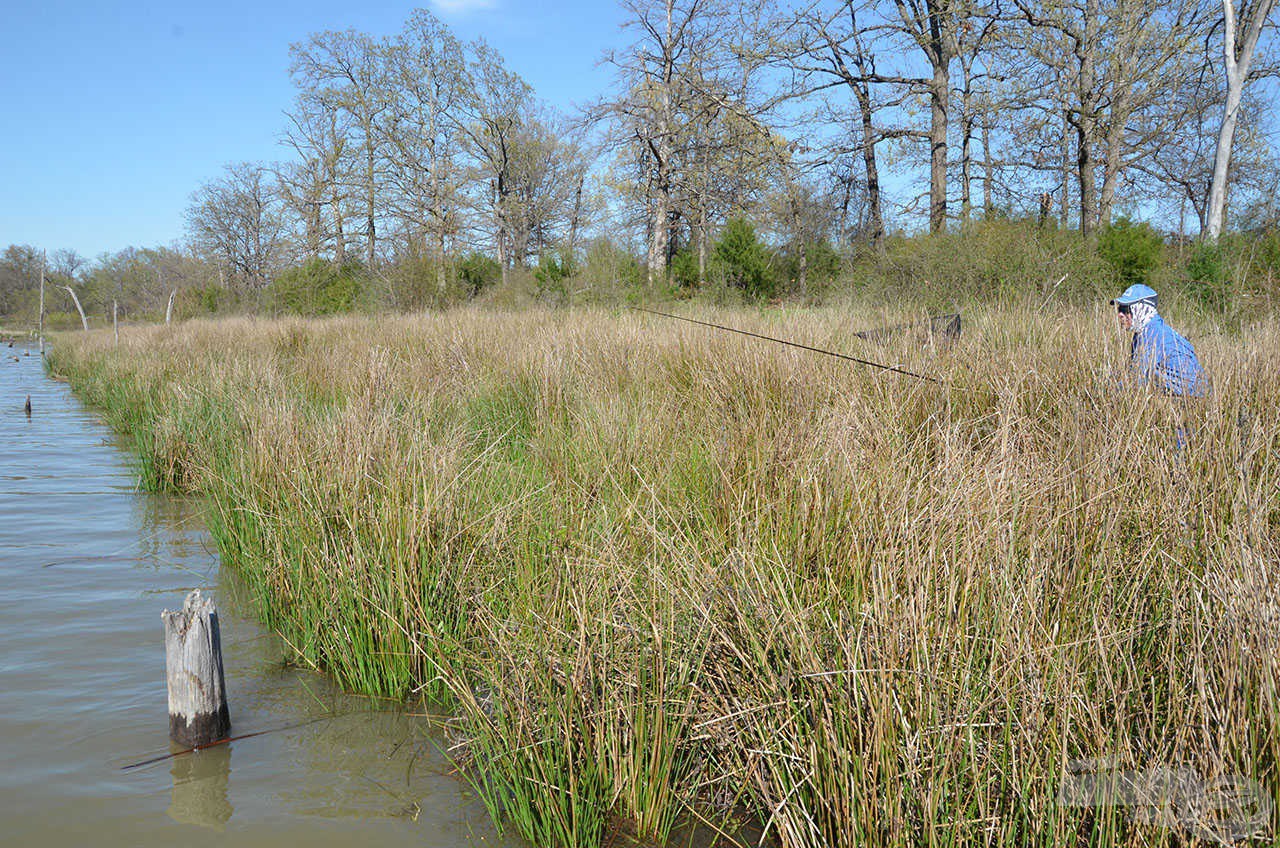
[1159, 356]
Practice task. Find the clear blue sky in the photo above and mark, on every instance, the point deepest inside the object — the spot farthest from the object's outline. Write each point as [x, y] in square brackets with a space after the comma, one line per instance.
[114, 116]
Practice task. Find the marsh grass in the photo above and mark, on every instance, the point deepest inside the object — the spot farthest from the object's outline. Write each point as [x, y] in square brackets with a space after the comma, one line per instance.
[666, 575]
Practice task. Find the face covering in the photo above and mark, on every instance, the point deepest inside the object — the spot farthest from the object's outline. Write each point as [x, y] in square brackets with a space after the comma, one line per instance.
[1142, 313]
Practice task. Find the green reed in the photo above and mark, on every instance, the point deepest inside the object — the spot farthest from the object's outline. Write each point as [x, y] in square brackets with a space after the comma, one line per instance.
[666, 576]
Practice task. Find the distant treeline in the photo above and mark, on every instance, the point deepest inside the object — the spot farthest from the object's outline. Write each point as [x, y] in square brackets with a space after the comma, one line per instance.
[995, 259]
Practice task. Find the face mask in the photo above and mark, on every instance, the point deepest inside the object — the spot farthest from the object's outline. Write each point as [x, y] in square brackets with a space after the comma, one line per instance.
[1142, 313]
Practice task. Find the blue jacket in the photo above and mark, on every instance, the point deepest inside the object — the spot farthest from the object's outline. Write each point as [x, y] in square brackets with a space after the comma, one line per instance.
[1164, 359]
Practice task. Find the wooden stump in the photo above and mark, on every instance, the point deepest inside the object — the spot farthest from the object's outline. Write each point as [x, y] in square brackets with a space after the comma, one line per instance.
[198, 712]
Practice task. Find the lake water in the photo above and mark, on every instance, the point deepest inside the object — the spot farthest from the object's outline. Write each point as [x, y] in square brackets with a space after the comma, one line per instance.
[87, 563]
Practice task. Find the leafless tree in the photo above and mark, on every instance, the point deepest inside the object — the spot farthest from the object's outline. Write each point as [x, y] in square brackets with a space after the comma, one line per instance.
[347, 71]
[1242, 26]
[238, 220]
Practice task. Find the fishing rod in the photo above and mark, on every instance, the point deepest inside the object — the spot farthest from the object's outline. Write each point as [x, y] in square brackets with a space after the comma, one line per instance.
[845, 356]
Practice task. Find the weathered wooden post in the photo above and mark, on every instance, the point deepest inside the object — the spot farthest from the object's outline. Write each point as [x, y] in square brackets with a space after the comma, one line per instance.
[198, 712]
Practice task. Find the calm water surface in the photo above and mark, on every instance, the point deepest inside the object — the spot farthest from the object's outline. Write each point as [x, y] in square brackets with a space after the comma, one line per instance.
[87, 563]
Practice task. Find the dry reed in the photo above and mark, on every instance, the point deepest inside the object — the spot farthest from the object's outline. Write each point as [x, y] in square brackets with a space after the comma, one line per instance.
[666, 575]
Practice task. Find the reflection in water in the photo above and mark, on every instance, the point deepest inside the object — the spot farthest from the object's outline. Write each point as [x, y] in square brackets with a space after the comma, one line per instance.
[200, 783]
[168, 536]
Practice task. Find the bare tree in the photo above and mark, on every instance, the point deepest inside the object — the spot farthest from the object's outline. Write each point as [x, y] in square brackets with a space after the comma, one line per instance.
[318, 185]
[830, 48]
[658, 106]
[238, 220]
[547, 176]
[1242, 26]
[347, 71]
[492, 111]
[423, 133]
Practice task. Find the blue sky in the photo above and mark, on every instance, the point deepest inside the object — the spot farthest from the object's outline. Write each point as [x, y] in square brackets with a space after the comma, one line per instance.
[114, 116]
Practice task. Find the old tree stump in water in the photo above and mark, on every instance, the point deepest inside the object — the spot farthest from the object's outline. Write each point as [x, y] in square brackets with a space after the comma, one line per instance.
[193, 665]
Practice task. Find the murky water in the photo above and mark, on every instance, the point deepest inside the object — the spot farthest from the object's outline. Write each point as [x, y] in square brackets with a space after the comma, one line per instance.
[87, 563]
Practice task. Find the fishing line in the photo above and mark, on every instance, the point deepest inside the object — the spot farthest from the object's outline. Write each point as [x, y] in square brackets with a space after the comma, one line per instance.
[142, 541]
[844, 356]
[229, 739]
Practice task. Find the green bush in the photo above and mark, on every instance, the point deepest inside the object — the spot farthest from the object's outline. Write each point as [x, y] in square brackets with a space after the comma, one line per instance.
[550, 276]
[995, 259]
[1131, 249]
[684, 268]
[317, 287]
[1208, 282]
[211, 298]
[744, 260]
[608, 272]
[1205, 265]
[478, 272]
[822, 265]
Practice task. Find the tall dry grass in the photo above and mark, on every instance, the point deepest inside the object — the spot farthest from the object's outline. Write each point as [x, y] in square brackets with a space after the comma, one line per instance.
[666, 575]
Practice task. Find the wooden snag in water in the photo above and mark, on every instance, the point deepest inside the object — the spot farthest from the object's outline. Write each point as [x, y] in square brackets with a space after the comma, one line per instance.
[193, 667]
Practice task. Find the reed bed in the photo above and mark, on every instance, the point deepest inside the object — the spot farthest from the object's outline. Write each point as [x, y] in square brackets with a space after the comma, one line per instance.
[664, 575]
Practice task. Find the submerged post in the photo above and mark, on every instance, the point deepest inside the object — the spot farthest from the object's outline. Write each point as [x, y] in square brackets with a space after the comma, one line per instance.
[198, 712]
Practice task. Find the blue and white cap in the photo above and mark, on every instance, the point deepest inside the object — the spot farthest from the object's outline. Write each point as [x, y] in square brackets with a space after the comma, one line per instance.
[1136, 294]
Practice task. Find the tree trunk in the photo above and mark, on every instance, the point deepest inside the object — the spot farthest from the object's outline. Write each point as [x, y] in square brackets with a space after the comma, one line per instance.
[44, 259]
[803, 281]
[83, 320]
[1087, 124]
[575, 219]
[659, 239]
[1084, 166]
[1065, 205]
[702, 243]
[500, 237]
[438, 214]
[442, 276]
[370, 247]
[1112, 164]
[988, 170]
[966, 140]
[939, 91]
[966, 175]
[875, 217]
[1222, 155]
[339, 235]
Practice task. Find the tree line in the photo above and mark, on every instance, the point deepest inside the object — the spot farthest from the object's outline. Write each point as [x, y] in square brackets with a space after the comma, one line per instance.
[424, 168]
